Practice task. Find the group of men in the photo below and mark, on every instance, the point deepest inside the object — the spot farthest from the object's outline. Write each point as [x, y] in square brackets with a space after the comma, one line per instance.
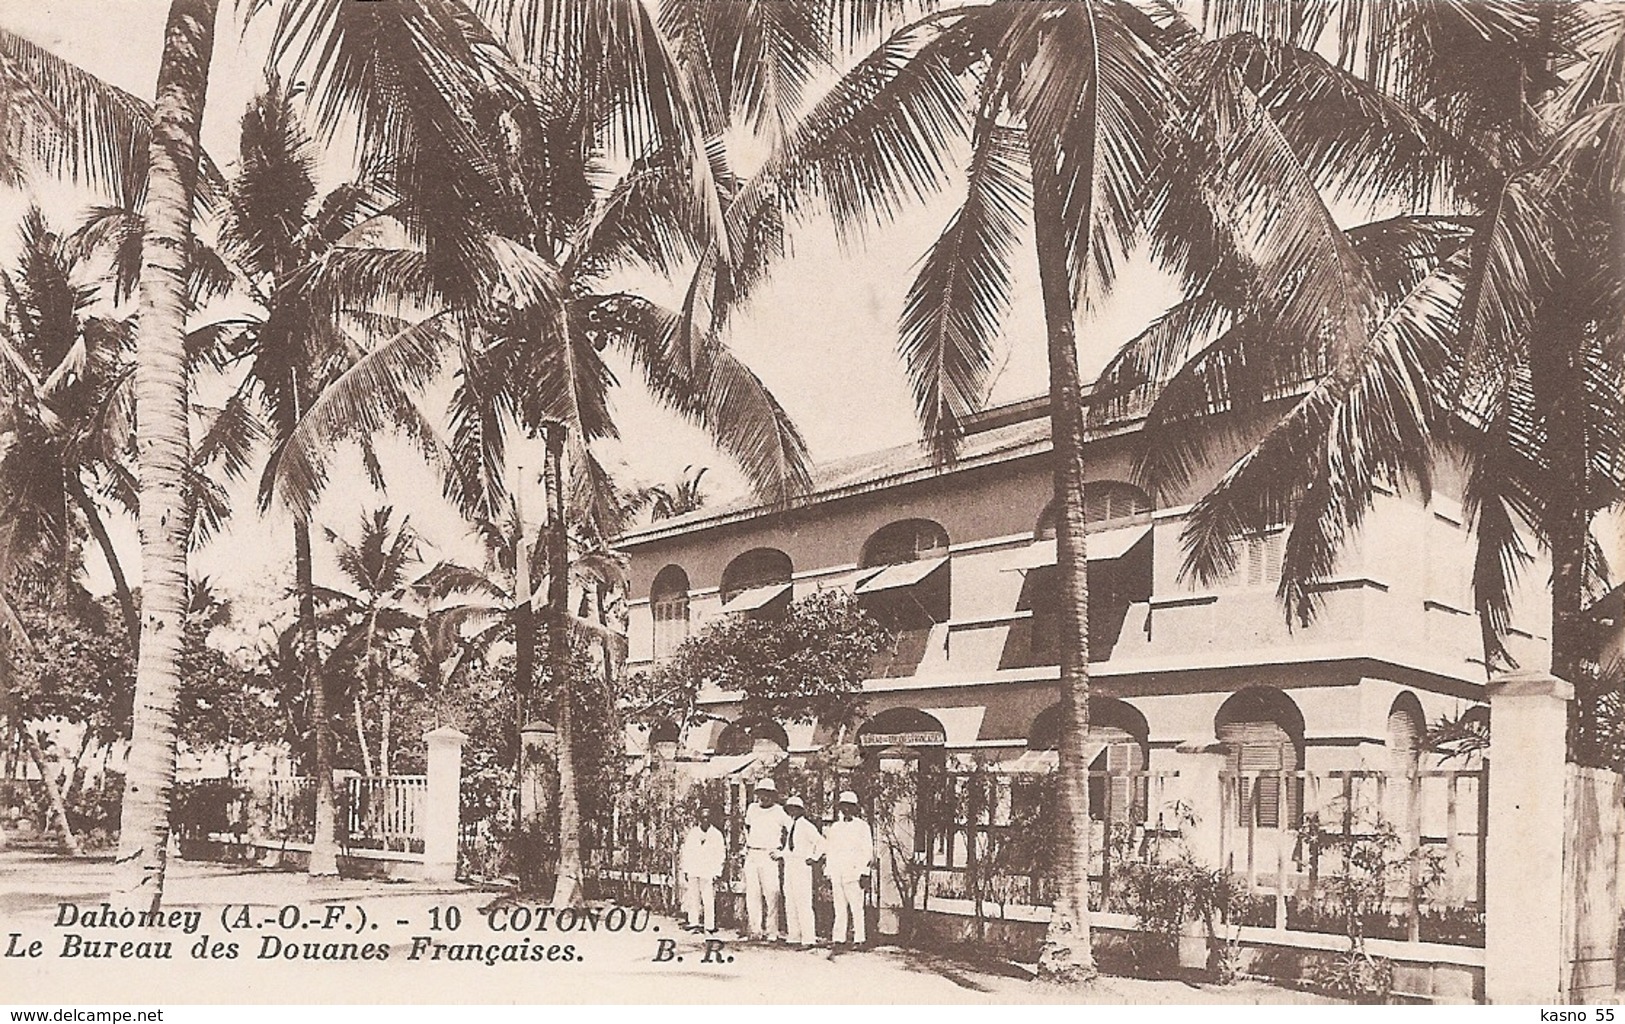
[782, 839]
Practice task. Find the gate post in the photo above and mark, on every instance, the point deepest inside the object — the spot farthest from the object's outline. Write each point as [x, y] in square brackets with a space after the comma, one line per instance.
[1200, 767]
[1526, 833]
[897, 844]
[442, 811]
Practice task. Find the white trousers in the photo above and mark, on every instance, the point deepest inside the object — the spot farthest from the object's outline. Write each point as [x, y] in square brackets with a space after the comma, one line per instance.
[848, 905]
[798, 896]
[700, 901]
[761, 895]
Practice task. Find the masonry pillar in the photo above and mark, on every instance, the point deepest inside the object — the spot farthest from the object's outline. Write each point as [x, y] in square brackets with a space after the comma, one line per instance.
[441, 810]
[894, 839]
[1197, 787]
[1523, 870]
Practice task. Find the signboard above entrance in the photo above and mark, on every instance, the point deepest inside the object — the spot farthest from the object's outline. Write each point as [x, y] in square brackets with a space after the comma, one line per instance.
[902, 739]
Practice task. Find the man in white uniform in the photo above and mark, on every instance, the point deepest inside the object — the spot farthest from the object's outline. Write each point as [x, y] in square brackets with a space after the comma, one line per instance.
[765, 824]
[701, 861]
[803, 847]
[849, 850]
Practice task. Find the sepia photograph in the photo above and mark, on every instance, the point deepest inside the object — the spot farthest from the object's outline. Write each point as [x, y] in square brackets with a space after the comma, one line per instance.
[811, 502]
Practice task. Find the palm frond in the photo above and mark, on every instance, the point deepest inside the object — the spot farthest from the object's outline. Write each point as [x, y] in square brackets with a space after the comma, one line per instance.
[961, 294]
[1316, 468]
[711, 388]
[376, 391]
[230, 435]
[69, 122]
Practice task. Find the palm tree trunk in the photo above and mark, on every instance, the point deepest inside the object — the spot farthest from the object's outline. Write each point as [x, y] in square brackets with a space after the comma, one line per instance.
[1570, 530]
[324, 858]
[163, 446]
[385, 722]
[361, 736]
[1067, 953]
[53, 792]
[524, 625]
[567, 885]
[76, 771]
[368, 668]
[121, 586]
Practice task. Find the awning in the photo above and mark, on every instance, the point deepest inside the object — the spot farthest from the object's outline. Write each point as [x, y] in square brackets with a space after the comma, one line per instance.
[905, 574]
[725, 766]
[1105, 546]
[755, 597]
[1047, 760]
[962, 725]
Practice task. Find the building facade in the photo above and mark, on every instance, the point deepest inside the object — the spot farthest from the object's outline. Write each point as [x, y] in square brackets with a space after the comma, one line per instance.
[960, 562]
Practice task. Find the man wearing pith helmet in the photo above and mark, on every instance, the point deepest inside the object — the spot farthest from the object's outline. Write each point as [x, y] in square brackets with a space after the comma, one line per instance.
[765, 826]
[849, 851]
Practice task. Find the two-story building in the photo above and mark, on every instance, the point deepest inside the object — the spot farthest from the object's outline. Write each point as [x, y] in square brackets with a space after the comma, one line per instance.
[960, 562]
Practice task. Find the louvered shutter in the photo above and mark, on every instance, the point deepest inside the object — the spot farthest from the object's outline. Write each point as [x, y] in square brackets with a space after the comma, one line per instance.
[1404, 743]
[1258, 747]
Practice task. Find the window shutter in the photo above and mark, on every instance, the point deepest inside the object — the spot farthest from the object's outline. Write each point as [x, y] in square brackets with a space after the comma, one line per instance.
[1259, 747]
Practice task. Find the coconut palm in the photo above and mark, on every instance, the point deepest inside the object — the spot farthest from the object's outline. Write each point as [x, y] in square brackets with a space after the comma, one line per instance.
[63, 377]
[1518, 158]
[522, 123]
[277, 232]
[162, 442]
[1111, 127]
[1062, 121]
[378, 608]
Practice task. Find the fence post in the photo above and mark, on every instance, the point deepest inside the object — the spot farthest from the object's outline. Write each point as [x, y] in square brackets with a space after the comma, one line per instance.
[1523, 911]
[441, 816]
[1200, 767]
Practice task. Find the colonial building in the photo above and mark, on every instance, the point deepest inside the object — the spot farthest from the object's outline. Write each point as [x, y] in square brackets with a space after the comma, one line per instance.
[960, 562]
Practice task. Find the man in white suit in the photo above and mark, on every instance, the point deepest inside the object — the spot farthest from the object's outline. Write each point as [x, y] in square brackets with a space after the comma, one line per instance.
[849, 853]
[701, 861]
[765, 824]
[803, 847]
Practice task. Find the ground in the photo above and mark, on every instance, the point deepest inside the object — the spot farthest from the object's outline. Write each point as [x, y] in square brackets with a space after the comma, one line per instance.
[616, 967]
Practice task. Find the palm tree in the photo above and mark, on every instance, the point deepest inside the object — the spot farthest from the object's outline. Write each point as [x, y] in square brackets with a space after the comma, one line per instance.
[1062, 121]
[521, 243]
[1113, 128]
[163, 442]
[63, 375]
[277, 232]
[667, 501]
[377, 611]
[1494, 327]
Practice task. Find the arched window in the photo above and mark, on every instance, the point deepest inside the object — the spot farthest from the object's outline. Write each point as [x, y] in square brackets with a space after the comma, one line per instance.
[907, 589]
[907, 540]
[668, 601]
[1262, 732]
[1406, 732]
[742, 737]
[1106, 503]
[902, 727]
[1121, 738]
[1118, 518]
[757, 583]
